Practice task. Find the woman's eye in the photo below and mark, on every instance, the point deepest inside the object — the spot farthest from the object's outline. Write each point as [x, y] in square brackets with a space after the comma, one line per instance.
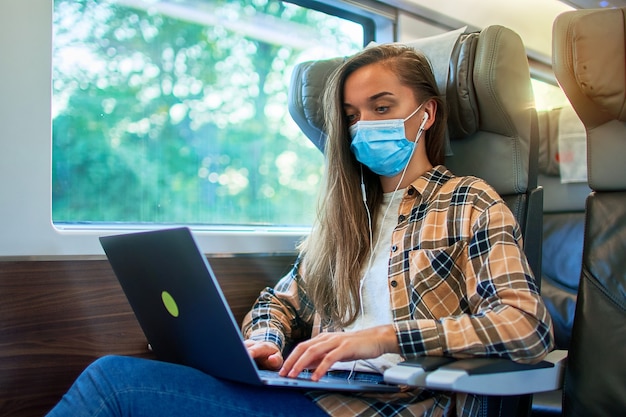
[351, 118]
[382, 109]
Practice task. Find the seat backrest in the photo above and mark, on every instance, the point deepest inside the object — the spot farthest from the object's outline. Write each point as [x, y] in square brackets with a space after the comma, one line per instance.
[485, 80]
[563, 215]
[589, 61]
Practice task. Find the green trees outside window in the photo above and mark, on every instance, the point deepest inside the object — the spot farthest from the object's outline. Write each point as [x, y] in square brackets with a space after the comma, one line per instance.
[176, 111]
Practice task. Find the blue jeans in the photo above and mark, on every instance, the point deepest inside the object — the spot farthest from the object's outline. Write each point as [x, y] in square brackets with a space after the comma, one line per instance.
[126, 386]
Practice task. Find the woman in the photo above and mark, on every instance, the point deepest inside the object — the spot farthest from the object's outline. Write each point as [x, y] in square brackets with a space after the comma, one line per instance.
[405, 260]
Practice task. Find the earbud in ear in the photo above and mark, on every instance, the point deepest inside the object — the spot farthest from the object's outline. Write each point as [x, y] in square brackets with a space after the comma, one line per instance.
[424, 120]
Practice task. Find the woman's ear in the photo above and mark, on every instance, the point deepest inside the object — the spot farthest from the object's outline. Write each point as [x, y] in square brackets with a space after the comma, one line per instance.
[430, 113]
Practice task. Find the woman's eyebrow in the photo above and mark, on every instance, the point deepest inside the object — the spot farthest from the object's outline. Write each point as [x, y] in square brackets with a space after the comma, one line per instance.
[379, 95]
[372, 98]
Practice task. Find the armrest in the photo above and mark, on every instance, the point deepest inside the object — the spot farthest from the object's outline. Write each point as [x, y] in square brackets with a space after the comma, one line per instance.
[484, 375]
[414, 371]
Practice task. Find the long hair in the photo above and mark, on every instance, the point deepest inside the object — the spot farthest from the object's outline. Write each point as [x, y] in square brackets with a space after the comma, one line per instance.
[338, 247]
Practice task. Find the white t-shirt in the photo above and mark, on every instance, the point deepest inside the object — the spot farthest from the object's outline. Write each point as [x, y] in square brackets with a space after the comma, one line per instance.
[375, 298]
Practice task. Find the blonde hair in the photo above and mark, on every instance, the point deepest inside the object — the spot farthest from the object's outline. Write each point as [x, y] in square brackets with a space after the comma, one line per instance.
[336, 251]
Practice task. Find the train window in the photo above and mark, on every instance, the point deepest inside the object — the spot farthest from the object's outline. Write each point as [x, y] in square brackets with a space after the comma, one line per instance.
[548, 96]
[176, 111]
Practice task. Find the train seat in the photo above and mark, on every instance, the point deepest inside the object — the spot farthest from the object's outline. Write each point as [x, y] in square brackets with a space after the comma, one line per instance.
[492, 133]
[563, 218]
[589, 61]
[564, 194]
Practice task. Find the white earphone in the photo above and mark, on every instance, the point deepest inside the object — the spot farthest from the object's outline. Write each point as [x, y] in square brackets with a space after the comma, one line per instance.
[421, 129]
[424, 120]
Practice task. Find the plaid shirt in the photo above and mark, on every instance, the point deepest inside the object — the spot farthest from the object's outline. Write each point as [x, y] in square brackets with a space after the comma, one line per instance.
[459, 284]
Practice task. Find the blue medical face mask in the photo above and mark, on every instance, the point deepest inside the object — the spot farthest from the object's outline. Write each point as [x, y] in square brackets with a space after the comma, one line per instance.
[382, 146]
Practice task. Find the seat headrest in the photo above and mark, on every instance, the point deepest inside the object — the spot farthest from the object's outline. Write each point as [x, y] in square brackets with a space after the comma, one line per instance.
[548, 122]
[501, 149]
[451, 57]
[308, 81]
[485, 82]
[562, 145]
[589, 61]
[595, 40]
[563, 191]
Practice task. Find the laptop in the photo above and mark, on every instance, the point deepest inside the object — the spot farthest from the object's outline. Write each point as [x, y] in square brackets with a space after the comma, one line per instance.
[184, 315]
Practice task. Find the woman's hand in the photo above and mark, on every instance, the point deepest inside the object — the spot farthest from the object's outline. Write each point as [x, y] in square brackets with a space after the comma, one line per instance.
[321, 352]
[265, 354]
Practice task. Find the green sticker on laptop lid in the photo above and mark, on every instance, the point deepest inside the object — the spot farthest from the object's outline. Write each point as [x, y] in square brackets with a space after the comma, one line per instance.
[170, 303]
